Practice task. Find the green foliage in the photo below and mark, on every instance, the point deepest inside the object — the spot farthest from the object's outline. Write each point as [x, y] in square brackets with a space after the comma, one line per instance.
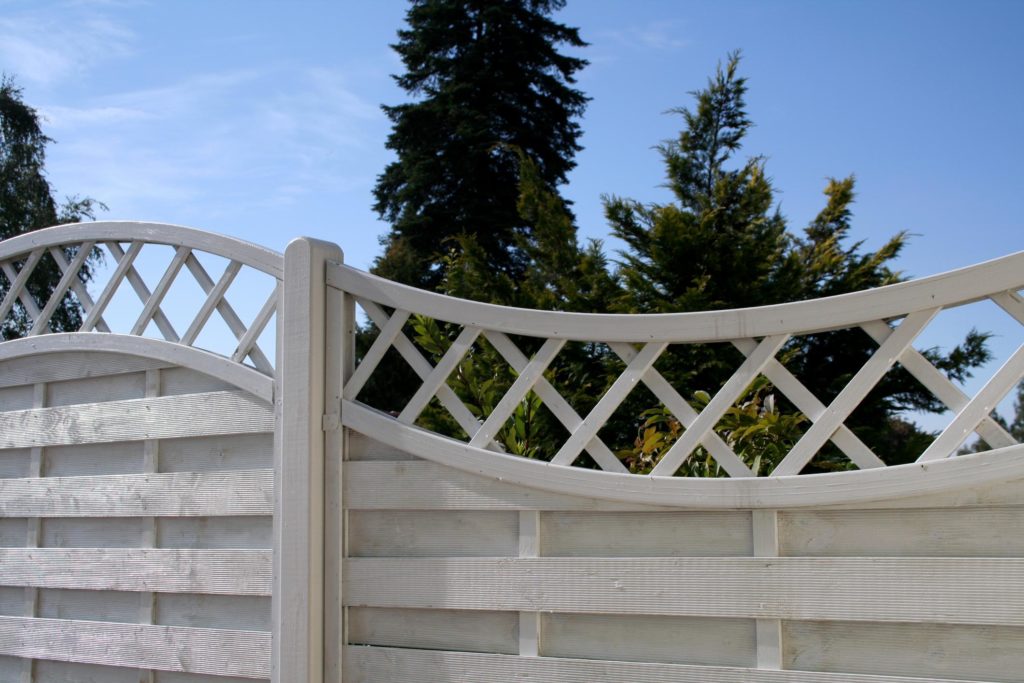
[27, 204]
[754, 428]
[488, 78]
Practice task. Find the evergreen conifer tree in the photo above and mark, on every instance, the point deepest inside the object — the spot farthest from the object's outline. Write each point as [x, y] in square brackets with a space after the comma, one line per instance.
[488, 79]
[724, 244]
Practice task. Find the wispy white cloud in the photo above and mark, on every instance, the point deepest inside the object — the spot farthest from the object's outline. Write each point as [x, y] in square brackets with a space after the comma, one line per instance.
[47, 47]
[660, 36]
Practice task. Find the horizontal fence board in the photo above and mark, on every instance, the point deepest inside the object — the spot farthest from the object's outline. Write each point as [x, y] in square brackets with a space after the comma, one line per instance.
[949, 532]
[219, 452]
[177, 677]
[91, 532]
[71, 365]
[431, 533]
[244, 654]
[953, 590]
[237, 612]
[377, 664]
[13, 532]
[647, 534]
[96, 389]
[88, 605]
[668, 640]
[435, 629]
[989, 653]
[362, 447]
[180, 494]
[93, 459]
[73, 672]
[177, 381]
[221, 412]
[215, 532]
[16, 398]
[232, 572]
[429, 486]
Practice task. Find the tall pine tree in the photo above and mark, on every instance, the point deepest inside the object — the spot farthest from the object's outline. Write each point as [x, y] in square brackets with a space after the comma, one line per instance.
[27, 203]
[488, 81]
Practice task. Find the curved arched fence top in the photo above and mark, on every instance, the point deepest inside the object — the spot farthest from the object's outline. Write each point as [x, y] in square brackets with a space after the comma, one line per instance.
[47, 273]
[527, 344]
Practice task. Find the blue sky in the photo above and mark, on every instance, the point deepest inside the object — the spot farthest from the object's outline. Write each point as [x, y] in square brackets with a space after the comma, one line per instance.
[261, 119]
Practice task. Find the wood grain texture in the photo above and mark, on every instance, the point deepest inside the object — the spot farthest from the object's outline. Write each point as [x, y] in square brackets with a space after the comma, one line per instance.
[878, 484]
[631, 638]
[377, 664]
[211, 651]
[972, 653]
[155, 353]
[220, 412]
[178, 494]
[419, 485]
[846, 310]
[942, 532]
[231, 572]
[423, 533]
[951, 590]
[646, 534]
[467, 631]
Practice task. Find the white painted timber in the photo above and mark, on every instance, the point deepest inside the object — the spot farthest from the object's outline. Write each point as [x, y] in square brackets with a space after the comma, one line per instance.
[77, 355]
[176, 494]
[847, 310]
[971, 653]
[167, 648]
[375, 664]
[466, 631]
[229, 572]
[220, 412]
[949, 590]
[769, 492]
[299, 451]
[252, 255]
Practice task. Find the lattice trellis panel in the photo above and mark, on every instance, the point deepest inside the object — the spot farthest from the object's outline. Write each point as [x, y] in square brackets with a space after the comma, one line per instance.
[392, 311]
[84, 268]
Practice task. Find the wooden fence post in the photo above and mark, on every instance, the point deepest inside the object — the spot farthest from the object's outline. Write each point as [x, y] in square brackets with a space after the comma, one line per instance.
[298, 590]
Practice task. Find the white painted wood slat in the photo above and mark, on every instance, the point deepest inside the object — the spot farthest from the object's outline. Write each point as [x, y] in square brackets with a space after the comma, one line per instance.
[606, 406]
[216, 652]
[57, 296]
[92, 319]
[554, 401]
[374, 354]
[527, 378]
[422, 367]
[948, 590]
[723, 399]
[807, 403]
[175, 494]
[217, 412]
[76, 284]
[983, 403]
[854, 392]
[222, 572]
[439, 375]
[17, 280]
[685, 413]
[376, 664]
[247, 342]
[142, 291]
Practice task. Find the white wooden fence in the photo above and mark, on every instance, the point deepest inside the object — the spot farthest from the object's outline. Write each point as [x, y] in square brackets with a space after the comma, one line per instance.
[171, 513]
